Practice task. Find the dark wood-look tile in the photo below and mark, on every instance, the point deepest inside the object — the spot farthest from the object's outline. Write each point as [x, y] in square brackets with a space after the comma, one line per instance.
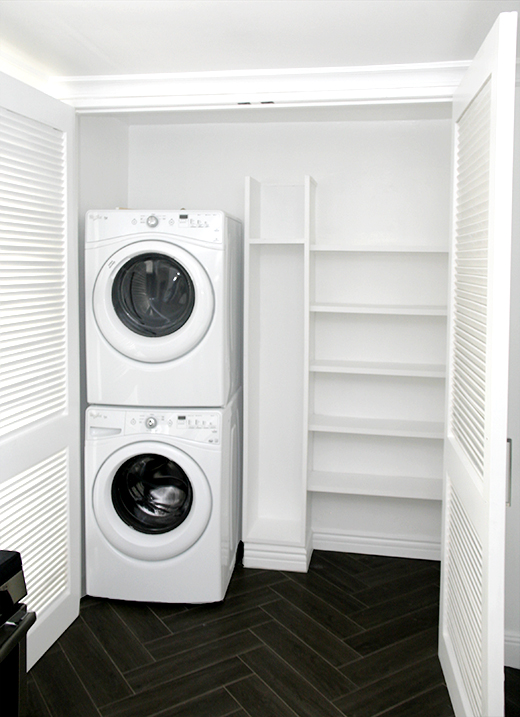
[180, 660]
[512, 692]
[395, 630]
[318, 609]
[336, 575]
[392, 690]
[214, 704]
[88, 600]
[322, 641]
[397, 606]
[179, 690]
[96, 670]
[61, 688]
[347, 562]
[120, 643]
[394, 568]
[392, 659]
[399, 587]
[203, 614]
[317, 671]
[292, 688]
[192, 660]
[259, 701]
[206, 633]
[246, 582]
[35, 703]
[512, 683]
[334, 595]
[167, 609]
[434, 703]
[141, 620]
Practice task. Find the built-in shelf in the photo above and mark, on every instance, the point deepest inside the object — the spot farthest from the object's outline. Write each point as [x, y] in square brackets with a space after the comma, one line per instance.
[381, 248]
[377, 427]
[401, 310]
[379, 369]
[280, 240]
[419, 488]
[336, 332]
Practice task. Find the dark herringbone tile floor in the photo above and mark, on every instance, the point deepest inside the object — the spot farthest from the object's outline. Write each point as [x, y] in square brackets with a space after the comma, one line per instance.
[356, 636]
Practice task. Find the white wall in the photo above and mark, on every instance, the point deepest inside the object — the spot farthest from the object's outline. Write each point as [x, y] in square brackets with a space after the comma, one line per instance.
[372, 177]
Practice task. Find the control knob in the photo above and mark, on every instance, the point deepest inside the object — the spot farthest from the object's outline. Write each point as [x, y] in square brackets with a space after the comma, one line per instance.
[151, 422]
[152, 221]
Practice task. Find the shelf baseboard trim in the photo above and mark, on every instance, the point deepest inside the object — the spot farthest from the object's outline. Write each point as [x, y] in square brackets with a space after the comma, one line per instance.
[277, 557]
[376, 545]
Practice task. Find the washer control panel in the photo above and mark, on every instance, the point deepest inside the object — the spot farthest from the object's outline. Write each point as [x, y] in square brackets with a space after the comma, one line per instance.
[198, 426]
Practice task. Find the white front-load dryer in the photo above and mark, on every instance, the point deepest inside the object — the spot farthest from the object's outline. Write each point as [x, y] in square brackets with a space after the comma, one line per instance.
[163, 302]
[162, 494]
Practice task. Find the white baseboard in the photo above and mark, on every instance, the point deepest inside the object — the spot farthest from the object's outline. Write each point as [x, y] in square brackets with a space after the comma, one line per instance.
[377, 545]
[277, 557]
[512, 649]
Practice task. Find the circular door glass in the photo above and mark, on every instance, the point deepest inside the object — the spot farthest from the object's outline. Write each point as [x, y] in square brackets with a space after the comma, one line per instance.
[153, 295]
[151, 493]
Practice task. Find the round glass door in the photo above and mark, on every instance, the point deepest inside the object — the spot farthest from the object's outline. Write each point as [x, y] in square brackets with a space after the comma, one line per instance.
[153, 301]
[151, 493]
[153, 295]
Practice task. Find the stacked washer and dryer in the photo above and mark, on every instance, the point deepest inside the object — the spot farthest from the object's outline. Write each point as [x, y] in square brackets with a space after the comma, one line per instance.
[162, 448]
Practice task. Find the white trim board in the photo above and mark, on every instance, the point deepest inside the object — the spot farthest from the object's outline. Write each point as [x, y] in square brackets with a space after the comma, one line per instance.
[306, 87]
[376, 545]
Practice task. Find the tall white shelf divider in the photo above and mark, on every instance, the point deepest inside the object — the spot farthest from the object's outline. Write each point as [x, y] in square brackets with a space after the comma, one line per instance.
[276, 529]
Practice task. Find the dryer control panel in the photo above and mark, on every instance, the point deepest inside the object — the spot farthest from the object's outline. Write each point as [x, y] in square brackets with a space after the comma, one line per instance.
[201, 225]
[199, 426]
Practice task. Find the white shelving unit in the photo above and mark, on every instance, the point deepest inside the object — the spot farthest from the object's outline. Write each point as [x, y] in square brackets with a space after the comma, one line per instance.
[344, 371]
[391, 392]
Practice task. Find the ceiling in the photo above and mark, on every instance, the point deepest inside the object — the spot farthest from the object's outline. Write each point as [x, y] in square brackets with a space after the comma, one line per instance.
[52, 38]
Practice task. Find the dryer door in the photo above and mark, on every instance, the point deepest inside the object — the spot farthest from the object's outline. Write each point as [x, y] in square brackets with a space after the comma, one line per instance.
[151, 501]
[153, 301]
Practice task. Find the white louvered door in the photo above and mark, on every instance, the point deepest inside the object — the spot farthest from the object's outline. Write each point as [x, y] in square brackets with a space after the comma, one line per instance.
[39, 355]
[472, 589]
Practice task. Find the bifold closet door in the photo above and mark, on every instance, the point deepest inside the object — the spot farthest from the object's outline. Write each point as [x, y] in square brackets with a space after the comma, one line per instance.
[39, 369]
[472, 589]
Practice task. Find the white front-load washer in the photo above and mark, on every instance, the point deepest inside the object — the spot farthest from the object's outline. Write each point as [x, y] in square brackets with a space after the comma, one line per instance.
[163, 299]
[162, 495]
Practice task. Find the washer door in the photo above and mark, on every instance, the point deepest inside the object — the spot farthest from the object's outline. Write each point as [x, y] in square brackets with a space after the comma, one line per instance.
[151, 501]
[153, 301]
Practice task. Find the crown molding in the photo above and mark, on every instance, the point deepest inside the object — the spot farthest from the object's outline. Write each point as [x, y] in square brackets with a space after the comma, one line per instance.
[306, 87]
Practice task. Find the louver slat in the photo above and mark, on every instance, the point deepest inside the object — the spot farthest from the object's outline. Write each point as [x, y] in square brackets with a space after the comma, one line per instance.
[33, 282]
[471, 266]
[464, 603]
[34, 521]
